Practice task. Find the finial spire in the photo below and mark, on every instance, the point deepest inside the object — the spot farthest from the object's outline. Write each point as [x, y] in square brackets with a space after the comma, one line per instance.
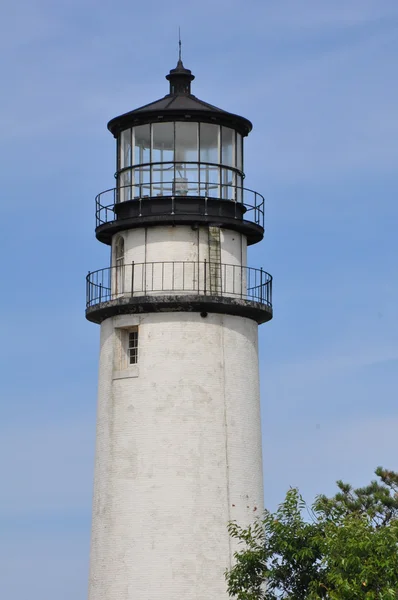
[180, 78]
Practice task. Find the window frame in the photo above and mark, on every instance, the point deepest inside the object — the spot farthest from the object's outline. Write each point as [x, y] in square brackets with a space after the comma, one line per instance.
[122, 367]
[132, 346]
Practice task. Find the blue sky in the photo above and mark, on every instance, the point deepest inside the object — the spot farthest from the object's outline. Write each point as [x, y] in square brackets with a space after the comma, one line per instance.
[318, 80]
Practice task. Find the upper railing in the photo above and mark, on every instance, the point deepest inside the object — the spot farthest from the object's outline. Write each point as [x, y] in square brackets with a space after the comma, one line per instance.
[246, 201]
[179, 278]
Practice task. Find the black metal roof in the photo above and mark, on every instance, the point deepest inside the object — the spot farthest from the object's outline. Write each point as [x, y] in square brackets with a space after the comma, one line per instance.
[179, 105]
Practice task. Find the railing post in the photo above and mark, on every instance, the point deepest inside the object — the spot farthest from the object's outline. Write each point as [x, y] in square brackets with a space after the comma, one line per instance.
[205, 276]
[242, 279]
[100, 292]
[261, 285]
[269, 292]
[88, 289]
[132, 278]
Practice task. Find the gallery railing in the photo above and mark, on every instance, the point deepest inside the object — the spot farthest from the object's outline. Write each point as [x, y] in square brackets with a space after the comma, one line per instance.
[250, 201]
[178, 278]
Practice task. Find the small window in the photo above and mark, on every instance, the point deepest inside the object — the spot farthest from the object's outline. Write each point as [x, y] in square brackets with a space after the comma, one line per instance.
[132, 347]
[125, 357]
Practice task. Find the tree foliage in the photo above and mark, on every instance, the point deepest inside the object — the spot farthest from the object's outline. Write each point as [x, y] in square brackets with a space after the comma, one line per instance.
[341, 548]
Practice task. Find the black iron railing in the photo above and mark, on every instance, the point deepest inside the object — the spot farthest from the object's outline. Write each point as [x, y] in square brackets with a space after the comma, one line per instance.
[252, 202]
[176, 278]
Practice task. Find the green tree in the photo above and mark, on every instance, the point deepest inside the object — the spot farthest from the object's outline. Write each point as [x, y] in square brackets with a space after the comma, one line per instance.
[342, 548]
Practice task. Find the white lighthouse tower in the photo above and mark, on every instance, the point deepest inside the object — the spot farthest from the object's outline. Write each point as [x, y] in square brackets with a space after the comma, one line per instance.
[178, 452]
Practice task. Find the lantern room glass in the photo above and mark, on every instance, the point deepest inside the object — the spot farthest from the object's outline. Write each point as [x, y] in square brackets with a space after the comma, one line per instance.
[162, 170]
[227, 147]
[142, 144]
[180, 159]
[210, 159]
[186, 176]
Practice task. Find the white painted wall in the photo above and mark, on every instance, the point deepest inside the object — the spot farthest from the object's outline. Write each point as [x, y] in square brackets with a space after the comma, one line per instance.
[178, 456]
[179, 245]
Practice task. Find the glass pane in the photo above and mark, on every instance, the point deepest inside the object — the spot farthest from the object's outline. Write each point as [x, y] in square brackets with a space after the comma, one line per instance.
[209, 181]
[228, 187]
[227, 150]
[239, 154]
[162, 180]
[125, 149]
[163, 142]
[141, 186]
[192, 174]
[209, 146]
[142, 144]
[239, 195]
[180, 182]
[135, 180]
[125, 186]
[186, 147]
[163, 154]
[186, 179]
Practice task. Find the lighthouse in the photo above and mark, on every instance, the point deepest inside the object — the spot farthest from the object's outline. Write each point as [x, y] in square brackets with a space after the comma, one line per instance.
[178, 441]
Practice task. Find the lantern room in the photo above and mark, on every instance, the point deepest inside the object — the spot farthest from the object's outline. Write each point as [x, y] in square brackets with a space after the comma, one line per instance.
[180, 161]
[180, 158]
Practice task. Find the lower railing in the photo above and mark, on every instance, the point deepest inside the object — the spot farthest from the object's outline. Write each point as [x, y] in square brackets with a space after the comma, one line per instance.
[178, 278]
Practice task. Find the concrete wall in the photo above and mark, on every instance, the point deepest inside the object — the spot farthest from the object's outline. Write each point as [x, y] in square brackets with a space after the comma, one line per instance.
[178, 455]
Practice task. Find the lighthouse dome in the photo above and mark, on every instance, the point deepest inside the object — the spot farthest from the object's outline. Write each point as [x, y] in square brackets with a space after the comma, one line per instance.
[179, 104]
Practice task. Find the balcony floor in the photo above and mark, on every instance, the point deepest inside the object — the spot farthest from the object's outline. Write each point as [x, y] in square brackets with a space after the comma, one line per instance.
[203, 303]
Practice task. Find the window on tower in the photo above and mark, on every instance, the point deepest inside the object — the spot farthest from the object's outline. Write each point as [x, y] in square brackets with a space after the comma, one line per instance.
[125, 357]
[132, 347]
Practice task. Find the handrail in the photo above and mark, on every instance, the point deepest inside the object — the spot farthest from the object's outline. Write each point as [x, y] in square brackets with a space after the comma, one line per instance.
[252, 202]
[176, 278]
[175, 163]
